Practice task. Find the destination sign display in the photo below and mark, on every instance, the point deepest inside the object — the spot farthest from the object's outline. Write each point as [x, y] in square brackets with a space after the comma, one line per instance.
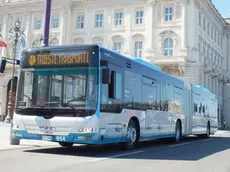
[58, 59]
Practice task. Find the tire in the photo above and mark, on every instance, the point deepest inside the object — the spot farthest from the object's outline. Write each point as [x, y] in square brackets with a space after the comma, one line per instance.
[207, 134]
[177, 137]
[131, 137]
[207, 131]
[66, 144]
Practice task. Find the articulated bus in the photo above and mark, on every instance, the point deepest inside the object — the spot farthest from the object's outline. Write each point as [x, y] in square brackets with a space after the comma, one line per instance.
[88, 94]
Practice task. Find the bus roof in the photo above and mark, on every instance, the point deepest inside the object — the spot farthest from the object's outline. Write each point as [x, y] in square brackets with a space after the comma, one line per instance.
[202, 88]
[146, 64]
[138, 60]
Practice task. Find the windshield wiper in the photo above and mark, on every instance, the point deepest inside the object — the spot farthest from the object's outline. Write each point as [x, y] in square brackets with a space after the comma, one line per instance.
[20, 110]
[74, 109]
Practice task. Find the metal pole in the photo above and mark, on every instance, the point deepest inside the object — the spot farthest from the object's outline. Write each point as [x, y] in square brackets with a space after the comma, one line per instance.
[10, 105]
[47, 23]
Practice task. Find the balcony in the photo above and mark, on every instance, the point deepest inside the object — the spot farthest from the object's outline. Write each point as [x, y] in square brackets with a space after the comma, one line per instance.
[168, 59]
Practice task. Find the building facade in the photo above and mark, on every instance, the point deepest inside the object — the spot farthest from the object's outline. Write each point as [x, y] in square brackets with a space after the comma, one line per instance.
[186, 38]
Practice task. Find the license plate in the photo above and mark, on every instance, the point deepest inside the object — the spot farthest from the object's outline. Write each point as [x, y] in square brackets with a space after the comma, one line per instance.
[47, 138]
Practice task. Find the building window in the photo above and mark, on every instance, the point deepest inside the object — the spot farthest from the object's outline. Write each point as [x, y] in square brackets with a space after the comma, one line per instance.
[97, 40]
[208, 28]
[99, 20]
[199, 18]
[80, 22]
[204, 50]
[119, 16]
[138, 49]
[55, 22]
[215, 35]
[54, 41]
[117, 47]
[168, 47]
[139, 17]
[204, 23]
[78, 41]
[37, 23]
[212, 32]
[168, 14]
[221, 41]
[218, 39]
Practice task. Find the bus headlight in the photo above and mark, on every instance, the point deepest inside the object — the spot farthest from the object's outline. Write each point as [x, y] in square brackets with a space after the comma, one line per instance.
[86, 130]
[15, 126]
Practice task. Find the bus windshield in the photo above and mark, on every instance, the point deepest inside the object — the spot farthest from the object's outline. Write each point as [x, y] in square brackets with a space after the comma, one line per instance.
[57, 88]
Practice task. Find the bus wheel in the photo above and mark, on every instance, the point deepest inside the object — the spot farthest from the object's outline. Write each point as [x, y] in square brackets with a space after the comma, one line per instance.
[131, 137]
[177, 137]
[207, 130]
[66, 144]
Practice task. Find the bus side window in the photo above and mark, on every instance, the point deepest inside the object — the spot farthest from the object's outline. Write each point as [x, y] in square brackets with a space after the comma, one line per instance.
[115, 86]
[111, 94]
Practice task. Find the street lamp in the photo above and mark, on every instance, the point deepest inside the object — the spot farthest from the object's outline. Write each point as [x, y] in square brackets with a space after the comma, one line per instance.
[17, 34]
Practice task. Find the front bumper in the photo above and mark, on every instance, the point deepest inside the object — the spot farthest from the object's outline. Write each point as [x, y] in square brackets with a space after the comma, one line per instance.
[84, 138]
[79, 138]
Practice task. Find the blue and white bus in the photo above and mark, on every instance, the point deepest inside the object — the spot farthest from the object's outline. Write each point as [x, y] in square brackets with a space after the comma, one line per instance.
[91, 95]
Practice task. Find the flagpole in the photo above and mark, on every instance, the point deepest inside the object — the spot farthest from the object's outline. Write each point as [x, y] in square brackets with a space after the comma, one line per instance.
[47, 23]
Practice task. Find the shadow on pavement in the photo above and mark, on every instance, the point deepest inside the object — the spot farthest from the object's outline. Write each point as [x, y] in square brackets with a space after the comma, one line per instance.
[153, 150]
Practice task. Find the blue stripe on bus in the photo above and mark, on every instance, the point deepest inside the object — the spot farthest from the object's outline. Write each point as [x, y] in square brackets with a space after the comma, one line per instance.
[204, 126]
[157, 136]
[95, 138]
[72, 137]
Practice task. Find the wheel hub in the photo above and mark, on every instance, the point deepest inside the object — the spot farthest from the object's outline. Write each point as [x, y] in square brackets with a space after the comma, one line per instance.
[131, 137]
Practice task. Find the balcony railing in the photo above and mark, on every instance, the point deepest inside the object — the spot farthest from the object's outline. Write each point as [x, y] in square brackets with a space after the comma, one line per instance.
[168, 59]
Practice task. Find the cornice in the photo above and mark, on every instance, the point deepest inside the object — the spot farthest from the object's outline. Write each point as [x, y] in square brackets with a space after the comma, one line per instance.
[24, 3]
[21, 3]
[214, 12]
[86, 1]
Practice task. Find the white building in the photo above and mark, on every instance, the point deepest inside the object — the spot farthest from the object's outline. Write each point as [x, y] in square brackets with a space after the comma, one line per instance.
[187, 38]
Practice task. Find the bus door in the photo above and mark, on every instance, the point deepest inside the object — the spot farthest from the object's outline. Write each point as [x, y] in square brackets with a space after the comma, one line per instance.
[111, 101]
[115, 88]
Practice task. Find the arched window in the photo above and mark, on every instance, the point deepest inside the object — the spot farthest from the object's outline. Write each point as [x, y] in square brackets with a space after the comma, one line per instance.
[54, 41]
[78, 41]
[118, 43]
[138, 48]
[138, 45]
[168, 47]
[97, 40]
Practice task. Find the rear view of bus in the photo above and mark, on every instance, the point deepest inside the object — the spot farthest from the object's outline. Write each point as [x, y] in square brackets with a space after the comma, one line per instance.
[57, 98]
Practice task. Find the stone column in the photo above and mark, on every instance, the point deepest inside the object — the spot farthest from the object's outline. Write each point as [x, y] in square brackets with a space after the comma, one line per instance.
[5, 26]
[150, 18]
[149, 24]
[184, 23]
[107, 27]
[129, 21]
[89, 24]
[64, 28]
[70, 23]
[28, 29]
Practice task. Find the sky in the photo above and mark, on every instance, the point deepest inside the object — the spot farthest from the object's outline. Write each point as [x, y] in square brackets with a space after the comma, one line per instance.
[223, 6]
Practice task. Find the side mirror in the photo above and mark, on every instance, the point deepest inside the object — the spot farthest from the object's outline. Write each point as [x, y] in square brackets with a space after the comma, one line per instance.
[106, 76]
